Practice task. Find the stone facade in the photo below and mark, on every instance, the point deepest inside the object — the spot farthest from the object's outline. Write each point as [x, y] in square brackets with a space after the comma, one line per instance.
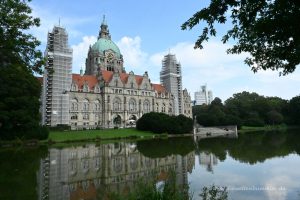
[106, 96]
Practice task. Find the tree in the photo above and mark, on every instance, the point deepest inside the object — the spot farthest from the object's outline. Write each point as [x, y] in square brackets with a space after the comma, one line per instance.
[274, 117]
[294, 110]
[268, 30]
[19, 59]
[17, 46]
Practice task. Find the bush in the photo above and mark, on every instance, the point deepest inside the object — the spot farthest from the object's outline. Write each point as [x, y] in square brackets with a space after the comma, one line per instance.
[60, 127]
[163, 123]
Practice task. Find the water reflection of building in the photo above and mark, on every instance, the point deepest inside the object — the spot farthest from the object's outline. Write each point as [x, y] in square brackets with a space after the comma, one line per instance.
[91, 171]
[208, 160]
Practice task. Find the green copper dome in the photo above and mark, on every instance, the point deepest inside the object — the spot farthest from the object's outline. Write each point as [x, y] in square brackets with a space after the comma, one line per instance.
[104, 44]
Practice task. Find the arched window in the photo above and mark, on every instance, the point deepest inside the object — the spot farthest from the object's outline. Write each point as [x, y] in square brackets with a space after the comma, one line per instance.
[146, 106]
[73, 87]
[117, 105]
[97, 89]
[163, 108]
[132, 105]
[97, 105]
[85, 116]
[170, 108]
[74, 105]
[85, 88]
[157, 107]
[85, 105]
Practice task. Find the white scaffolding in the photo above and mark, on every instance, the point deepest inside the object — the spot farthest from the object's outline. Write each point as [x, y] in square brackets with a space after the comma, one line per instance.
[57, 78]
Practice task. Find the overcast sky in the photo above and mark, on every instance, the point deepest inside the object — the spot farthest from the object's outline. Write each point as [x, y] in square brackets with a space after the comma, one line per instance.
[145, 31]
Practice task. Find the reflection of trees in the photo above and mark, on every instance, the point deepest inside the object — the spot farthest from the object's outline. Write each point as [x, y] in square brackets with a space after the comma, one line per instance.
[165, 147]
[19, 168]
[254, 147]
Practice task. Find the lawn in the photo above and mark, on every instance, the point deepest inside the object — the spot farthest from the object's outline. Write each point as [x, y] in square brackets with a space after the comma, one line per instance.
[245, 129]
[60, 136]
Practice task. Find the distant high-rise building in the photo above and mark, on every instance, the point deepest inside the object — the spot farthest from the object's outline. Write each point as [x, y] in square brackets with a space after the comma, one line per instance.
[57, 78]
[170, 77]
[203, 96]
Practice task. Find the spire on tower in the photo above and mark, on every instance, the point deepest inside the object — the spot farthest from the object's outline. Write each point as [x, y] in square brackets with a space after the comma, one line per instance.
[104, 21]
[104, 32]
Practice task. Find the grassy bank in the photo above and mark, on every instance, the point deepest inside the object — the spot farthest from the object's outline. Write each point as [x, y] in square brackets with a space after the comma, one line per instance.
[246, 129]
[67, 136]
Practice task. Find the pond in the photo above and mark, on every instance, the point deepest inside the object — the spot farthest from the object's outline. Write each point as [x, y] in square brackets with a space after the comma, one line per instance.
[262, 165]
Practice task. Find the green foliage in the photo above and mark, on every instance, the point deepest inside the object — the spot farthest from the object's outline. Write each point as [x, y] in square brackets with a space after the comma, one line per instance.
[19, 89]
[19, 104]
[249, 109]
[18, 46]
[214, 193]
[267, 30]
[294, 110]
[148, 190]
[274, 117]
[163, 123]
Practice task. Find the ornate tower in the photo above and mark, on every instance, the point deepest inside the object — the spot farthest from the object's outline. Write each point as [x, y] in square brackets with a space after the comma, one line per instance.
[104, 54]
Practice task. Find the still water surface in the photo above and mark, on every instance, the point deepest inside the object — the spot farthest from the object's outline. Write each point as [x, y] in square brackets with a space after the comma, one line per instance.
[256, 166]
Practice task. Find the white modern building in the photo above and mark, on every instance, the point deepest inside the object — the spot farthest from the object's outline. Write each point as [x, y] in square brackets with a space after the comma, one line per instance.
[203, 96]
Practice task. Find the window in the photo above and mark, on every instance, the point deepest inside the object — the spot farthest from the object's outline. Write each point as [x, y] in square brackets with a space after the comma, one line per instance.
[117, 105]
[157, 107]
[163, 108]
[97, 105]
[74, 117]
[74, 105]
[132, 105]
[85, 106]
[85, 88]
[74, 87]
[97, 89]
[146, 106]
[85, 116]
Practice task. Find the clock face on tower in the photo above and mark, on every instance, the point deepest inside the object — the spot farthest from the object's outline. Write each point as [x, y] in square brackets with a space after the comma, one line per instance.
[110, 56]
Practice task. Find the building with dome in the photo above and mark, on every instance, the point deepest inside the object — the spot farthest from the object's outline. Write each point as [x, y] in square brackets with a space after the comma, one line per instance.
[105, 95]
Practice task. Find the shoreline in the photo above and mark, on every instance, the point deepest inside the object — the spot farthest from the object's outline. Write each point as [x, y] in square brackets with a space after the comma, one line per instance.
[72, 137]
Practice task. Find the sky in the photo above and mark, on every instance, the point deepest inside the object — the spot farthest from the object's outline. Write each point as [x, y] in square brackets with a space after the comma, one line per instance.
[145, 31]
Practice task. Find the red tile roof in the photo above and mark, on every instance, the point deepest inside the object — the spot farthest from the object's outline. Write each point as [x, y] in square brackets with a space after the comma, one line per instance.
[159, 88]
[124, 77]
[81, 80]
[107, 75]
[139, 79]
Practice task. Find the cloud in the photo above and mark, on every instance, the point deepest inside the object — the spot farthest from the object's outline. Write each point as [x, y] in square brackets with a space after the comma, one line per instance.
[50, 18]
[210, 65]
[80, 52]
[226, 74]
[134, 57]
[276, 187]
